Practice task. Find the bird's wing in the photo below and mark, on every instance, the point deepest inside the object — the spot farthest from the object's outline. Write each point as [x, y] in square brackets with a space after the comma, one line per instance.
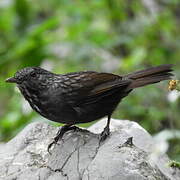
[88, 87]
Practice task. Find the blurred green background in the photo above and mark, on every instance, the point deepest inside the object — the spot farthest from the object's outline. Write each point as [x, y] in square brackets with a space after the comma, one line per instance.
[103, 35]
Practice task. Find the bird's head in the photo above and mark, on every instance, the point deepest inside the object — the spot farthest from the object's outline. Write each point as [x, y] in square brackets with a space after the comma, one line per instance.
[32, 77]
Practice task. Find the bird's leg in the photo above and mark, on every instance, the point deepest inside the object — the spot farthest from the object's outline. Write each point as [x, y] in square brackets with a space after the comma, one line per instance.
[106, 130]
[60, 134]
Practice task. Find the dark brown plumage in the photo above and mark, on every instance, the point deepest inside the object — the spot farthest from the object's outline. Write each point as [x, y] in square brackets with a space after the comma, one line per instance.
[81, 97]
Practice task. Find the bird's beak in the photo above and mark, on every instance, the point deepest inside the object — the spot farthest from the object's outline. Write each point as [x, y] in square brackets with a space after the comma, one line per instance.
[11, 80]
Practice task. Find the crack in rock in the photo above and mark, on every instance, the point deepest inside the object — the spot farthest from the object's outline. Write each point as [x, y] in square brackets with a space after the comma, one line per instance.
[80, 176]
[94, 156]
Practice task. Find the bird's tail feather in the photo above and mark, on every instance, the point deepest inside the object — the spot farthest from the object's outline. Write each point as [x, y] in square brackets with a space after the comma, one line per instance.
[150, 76]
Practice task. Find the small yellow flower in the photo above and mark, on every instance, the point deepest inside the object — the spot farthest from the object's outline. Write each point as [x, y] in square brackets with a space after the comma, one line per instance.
[173, 84]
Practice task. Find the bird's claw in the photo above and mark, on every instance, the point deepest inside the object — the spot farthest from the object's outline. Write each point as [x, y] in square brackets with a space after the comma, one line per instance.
[104, 134]
[60, 134]
[50, 145]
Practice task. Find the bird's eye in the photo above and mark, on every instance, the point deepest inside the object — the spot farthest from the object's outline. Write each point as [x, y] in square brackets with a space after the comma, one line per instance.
[33, 74]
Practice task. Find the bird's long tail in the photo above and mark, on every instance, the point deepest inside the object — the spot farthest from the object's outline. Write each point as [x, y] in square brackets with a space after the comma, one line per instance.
[150, 75]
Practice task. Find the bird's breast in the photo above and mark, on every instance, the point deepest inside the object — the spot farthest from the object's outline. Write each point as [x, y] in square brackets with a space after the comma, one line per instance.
[34, 99]
[50, 105]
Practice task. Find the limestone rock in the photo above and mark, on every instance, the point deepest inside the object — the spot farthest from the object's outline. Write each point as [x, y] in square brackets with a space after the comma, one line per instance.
[79, 156]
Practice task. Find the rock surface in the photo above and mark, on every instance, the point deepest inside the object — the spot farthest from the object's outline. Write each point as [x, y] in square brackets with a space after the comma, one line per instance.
[79, 156]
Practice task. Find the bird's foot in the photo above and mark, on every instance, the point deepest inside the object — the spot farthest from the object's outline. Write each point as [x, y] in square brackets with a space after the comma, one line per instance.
[50, 145]
[104, 134]
[60, 134]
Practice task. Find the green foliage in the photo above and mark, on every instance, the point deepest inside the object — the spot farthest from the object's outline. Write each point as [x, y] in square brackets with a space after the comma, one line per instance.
[174, 164]
[108, 35]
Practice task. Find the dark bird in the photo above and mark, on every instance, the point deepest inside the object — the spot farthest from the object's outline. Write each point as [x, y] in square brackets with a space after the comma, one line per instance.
[81, 97]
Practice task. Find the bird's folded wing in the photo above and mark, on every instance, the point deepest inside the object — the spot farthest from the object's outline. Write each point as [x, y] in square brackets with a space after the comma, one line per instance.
[104, 90]
[96, 86]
